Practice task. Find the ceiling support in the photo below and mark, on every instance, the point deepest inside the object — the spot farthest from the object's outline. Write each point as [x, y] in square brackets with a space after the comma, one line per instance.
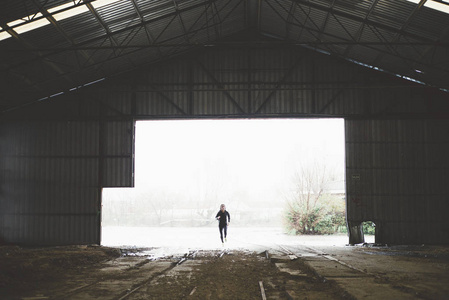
[361, 28]
[52, 20]
[119, 31]
[326, 20]
[314, 32]
[39, 56]
[181, 21]
[166, 98]
[279, 84]
[217, 26]
[221, 87]
[348, 15]
[337, 94]
[103, 24]
[147, 31]
[291, 13]
[401, 32]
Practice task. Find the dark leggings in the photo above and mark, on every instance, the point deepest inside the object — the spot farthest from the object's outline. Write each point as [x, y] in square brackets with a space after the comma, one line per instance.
[223, 228]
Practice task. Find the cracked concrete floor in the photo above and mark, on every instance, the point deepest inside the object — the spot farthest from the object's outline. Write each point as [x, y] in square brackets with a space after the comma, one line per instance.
[279, 269]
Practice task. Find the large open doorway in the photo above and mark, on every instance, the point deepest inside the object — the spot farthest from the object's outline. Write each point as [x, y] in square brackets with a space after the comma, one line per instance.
[262, 169]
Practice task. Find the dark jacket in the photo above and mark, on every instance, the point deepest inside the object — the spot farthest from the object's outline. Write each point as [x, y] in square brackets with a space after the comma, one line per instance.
[223, 216]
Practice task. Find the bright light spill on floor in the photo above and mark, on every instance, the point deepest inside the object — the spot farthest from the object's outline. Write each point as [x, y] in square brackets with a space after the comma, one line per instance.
[181, 240]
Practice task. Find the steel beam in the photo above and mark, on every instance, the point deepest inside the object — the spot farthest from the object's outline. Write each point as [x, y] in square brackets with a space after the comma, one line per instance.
[221, 87]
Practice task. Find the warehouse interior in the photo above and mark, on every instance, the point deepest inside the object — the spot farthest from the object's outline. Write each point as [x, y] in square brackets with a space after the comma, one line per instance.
[77, 75]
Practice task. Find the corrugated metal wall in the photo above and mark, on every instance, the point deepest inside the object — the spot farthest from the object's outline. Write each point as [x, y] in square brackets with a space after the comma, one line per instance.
[397, 174]
[273, 81]
[51, 178]
[49, 187]
[53, 168]
[118, 154]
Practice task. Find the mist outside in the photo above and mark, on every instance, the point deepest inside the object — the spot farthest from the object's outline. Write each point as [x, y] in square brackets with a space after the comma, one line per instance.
[186, 169]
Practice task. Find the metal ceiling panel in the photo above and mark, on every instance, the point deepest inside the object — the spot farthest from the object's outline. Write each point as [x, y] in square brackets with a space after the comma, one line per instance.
[42, 37]
[314, 18]
[83, 28]
[392, 13]
[13, 53]
[397, 36]
[156, 9]
[273, 7]
[118, 15]
[430, 25]
[357, 8]
[181, 4]
[16, 9]
[343, 28]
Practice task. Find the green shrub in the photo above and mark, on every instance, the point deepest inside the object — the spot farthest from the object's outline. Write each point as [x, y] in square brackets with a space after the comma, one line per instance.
[369, 227]
[326, 216]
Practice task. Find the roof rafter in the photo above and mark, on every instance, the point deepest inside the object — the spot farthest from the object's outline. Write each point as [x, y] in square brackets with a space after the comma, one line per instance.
[356, 18]
[403, 27]
[119, 31]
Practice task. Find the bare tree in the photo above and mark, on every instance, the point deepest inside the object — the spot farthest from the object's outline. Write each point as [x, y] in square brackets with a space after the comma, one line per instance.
[304, 206]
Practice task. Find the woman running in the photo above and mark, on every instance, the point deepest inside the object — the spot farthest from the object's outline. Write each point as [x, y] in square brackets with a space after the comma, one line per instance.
[223, 218]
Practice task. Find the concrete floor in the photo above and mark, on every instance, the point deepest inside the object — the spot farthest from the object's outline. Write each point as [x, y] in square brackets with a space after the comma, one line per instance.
[368, 272]
[156, 262]
[363, 271]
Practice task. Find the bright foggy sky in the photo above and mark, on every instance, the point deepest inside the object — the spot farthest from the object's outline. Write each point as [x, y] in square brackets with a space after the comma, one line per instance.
[253, 154]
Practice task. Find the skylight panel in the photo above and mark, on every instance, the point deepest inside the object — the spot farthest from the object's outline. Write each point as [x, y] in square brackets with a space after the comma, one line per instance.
[28, 23]
[441, 5]
[60, 7]
[77, 10]
[16, 22]
[59, 13]
[4, 35]
[29, 18]
[100, 3]
[31, 25]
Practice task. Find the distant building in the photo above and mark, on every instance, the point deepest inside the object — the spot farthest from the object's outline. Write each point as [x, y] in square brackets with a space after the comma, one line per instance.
[337, 187]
